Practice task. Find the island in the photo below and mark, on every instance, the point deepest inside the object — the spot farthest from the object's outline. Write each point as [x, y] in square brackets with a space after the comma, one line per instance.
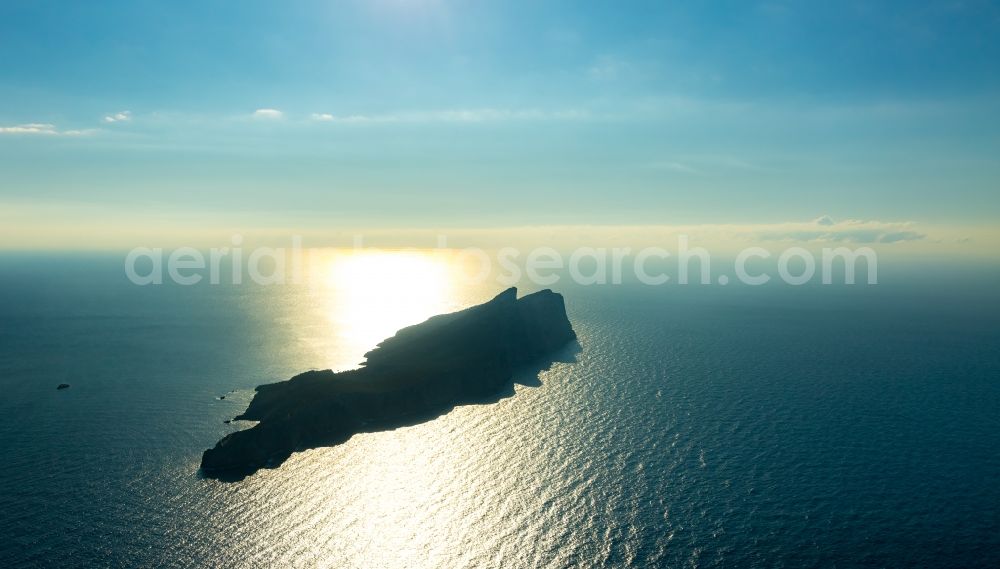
[419, 373]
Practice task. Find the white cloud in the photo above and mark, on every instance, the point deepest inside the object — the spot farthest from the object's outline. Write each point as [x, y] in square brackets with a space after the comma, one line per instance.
[324, 117]
[123, 116]
[30, 128]
[41, 128]
[268, 114]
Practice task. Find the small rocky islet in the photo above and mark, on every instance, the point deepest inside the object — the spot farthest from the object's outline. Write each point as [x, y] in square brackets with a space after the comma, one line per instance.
[419, 373]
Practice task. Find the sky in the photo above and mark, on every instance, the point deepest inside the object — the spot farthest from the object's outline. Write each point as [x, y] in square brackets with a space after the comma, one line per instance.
[124, 122]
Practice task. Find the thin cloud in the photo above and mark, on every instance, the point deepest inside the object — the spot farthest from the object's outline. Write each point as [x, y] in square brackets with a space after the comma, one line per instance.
[901, 236]
[483, 115]
[826, 229]
[674, 167]
[704, 164]
[607, 68]
[41, 129]
[123, 116]
[268, 114]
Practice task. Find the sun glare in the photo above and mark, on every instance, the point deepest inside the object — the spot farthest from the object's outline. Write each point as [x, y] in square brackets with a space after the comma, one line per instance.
[375, 293]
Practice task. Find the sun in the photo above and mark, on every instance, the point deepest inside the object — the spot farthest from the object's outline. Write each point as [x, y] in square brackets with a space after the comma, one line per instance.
[374, 293]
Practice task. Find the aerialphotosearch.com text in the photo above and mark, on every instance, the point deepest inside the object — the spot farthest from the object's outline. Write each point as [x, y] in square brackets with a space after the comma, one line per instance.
[543, 266]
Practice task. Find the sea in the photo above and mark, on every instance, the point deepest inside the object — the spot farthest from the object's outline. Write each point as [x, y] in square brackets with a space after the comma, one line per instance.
[698, 426]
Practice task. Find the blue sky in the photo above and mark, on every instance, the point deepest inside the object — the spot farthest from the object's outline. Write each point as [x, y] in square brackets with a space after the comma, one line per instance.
[438, 113]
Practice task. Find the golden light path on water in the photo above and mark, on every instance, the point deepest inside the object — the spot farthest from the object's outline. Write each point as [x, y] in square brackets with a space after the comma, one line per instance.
[419, 496]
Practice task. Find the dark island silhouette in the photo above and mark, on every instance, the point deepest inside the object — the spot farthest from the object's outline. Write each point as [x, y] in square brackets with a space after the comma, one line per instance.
[419, 373]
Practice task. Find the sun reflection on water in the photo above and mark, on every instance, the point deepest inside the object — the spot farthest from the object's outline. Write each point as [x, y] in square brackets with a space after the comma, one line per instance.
[463, 489]
[383, 497]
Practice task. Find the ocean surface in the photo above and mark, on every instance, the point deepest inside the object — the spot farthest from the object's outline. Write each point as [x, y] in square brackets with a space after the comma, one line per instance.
[701, 426]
